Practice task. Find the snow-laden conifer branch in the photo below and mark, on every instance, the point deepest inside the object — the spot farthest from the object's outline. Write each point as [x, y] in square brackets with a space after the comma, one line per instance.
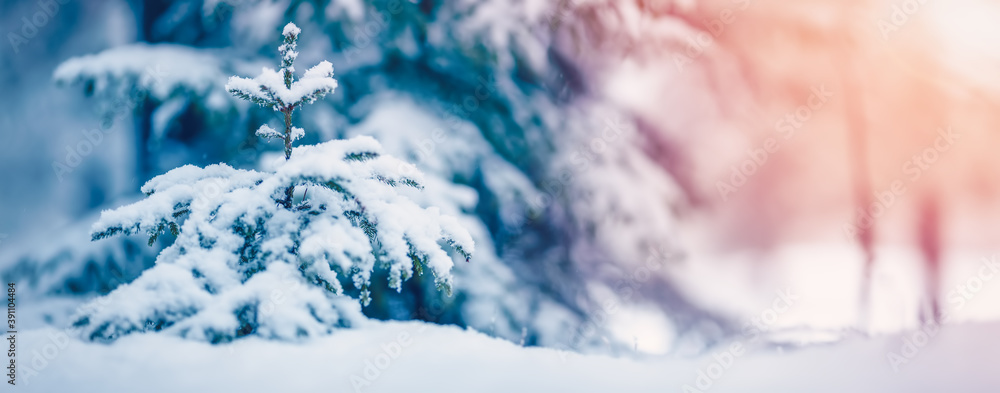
[269, 90]
[236, 244]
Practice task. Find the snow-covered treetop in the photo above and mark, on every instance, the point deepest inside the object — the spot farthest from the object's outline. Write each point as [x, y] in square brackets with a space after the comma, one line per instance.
[287, 49]
[291, 31]
[278, 89]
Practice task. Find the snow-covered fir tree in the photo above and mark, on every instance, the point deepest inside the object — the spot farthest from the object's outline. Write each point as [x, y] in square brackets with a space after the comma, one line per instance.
[275, 253]
[491, 100]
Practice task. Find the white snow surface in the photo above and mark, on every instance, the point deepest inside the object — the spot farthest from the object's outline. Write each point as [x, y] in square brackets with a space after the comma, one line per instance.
[420, 357]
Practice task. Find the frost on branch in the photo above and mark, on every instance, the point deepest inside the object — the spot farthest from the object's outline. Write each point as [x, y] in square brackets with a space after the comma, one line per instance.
[237, 246]
[265, 131]
[270, 91]
[278, 89]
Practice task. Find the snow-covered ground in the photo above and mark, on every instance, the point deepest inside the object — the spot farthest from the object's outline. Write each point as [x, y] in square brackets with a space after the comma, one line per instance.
[419, 357]
[812, 344]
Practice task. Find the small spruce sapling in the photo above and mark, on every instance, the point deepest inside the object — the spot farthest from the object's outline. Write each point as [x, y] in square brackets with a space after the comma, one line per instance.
[279, 91]
[247, 260]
